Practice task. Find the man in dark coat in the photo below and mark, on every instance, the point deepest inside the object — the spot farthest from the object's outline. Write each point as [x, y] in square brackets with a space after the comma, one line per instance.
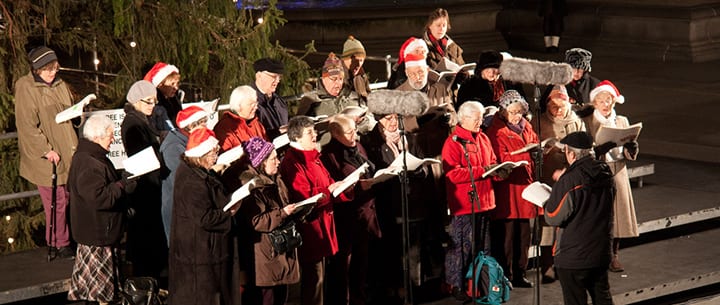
[272, 108]
[581, 205]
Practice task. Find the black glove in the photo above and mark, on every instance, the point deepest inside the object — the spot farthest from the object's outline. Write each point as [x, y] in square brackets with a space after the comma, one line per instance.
[128, 185]
[602, 149]
[631, 147]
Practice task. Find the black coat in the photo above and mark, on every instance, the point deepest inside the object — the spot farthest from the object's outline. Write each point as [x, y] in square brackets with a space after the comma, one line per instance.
[147, 247]
[581, 204]
[200, 244]
[97, 201]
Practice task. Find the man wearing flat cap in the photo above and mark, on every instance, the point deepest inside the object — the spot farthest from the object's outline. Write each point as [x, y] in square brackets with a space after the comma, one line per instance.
[39, 96]
[581, 205]
[272, 108]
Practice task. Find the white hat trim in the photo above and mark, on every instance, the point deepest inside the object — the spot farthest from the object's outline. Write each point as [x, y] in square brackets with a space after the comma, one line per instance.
[202, 149]
[618, 98]
[163, 73]
[193, 118]
[416, 63]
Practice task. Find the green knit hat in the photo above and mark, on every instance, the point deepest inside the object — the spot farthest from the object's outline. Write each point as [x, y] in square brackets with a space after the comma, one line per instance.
[352, 47]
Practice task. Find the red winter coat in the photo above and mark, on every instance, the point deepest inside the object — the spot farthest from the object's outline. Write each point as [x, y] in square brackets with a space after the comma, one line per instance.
[508, 192]
[233, 130]
[305, 176]
[457, 182]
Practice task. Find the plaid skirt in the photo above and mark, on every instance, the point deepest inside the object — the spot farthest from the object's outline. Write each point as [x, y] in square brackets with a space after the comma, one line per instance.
[94, 275]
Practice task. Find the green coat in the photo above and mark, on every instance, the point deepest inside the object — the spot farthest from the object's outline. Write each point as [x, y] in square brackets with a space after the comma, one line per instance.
[36, 105]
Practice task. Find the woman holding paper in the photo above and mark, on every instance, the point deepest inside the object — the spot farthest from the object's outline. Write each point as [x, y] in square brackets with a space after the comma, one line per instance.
[99, 203]
[200, 253]
[357, 222]
[306, 176]
[147, 247]
[510, 224]
[264, 210]
[604, 98]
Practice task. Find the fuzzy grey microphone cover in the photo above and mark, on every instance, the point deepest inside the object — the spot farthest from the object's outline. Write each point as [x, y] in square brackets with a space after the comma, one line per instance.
[396, 101]
[529, 71]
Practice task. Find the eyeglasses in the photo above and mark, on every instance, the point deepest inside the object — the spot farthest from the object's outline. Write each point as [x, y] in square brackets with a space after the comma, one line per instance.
[518, 112]
[335, 78]
[274, 76]
[149, 101]
[416, 75]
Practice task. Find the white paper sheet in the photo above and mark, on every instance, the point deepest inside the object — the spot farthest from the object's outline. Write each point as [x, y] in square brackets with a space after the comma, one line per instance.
[142, 162]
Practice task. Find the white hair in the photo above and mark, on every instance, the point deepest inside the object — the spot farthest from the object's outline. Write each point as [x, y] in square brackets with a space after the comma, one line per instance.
[241, 94]
[96, 127]
[470, 107]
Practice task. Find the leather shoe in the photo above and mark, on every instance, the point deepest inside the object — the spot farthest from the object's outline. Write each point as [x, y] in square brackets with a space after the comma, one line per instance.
[66, 252]
[522, 283]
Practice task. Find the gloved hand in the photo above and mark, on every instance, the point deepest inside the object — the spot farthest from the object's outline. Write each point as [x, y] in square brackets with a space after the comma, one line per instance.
[128, 185]
[631, 147]
[503, 173]
[602, 149]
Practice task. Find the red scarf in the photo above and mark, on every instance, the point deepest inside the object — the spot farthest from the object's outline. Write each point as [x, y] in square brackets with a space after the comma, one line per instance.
[439, 45]
[498, 89]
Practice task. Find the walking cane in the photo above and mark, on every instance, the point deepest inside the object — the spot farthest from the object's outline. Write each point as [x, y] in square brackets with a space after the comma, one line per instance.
[53, 200]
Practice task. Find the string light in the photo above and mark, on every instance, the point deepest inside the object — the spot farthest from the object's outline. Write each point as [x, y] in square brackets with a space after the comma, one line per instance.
[133, 44]
[96, 61]
[11, 240]
[260, 20]
[7, 218]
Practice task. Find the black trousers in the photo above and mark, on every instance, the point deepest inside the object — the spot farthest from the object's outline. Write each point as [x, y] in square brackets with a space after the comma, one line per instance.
[578, 283]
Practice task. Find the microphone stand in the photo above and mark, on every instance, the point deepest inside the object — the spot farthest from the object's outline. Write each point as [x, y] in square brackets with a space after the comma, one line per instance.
[538, 174]
[408, 298]
[473, 194]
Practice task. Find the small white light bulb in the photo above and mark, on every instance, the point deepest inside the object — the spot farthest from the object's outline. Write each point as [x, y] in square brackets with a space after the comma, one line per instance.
[133, 44]
[11, 240]
[260, 20]
[7, 218]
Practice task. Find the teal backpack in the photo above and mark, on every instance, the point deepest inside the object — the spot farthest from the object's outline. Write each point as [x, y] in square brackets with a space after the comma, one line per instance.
[491, 285]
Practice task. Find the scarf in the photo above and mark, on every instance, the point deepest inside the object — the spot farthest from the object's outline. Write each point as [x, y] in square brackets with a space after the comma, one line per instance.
[498, 89]
[352, 156]
[609, 121]
[439, 45]
[516, 128]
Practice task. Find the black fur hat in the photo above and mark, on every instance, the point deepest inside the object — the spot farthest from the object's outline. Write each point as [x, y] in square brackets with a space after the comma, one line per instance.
[488, 59]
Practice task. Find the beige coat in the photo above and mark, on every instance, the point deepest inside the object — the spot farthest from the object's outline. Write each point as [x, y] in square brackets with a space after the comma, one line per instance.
[554, 159]
[36, 105]
[625, 219]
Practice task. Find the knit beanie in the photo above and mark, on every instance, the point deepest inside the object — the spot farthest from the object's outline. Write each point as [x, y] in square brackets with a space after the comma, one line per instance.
[511, 97]
[352, 47]
[257, 150]
[41, 56]
[332, 66]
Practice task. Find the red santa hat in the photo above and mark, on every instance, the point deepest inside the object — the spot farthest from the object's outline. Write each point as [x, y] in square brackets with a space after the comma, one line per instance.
[200, 142]
[415, 60]
[607, 86]
[190, 115]
[409, 46]
[159, 72]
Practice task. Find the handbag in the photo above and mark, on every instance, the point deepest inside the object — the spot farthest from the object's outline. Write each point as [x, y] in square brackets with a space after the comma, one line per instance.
[285, 238]
[140, 291]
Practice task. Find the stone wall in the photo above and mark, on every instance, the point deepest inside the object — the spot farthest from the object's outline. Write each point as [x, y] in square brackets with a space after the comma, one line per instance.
[663, 31]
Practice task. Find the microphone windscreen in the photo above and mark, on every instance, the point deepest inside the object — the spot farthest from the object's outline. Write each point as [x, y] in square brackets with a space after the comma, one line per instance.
[396, 101]
[529, 71]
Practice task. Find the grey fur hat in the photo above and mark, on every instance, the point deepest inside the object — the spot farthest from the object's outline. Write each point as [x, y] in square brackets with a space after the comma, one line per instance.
[579, 58]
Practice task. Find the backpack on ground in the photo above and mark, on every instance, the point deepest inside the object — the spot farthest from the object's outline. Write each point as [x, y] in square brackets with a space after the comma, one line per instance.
[491, 285]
